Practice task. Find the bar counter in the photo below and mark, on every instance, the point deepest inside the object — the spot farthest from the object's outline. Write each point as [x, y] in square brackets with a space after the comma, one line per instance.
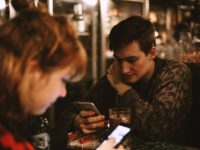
[138, 143]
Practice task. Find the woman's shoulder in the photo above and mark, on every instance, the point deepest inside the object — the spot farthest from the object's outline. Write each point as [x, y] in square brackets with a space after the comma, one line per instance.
[8, 140]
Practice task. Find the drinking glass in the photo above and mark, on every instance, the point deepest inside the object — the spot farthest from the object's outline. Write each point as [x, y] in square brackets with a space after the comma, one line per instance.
[118, 115]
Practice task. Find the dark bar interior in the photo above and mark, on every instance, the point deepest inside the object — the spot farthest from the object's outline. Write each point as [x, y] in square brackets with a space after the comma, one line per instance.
[148, 64]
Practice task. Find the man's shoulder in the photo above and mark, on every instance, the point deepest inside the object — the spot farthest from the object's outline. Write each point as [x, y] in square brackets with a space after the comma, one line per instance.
[171, 65]
[174, 69]
[102, 81]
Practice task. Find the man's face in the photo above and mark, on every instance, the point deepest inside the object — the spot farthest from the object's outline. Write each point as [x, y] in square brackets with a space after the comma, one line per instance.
[134, 64]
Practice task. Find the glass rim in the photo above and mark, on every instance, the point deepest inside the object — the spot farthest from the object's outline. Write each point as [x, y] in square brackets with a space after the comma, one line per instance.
[120, 109]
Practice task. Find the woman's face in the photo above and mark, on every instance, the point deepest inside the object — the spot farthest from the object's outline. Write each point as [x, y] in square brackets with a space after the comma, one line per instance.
[39, 91]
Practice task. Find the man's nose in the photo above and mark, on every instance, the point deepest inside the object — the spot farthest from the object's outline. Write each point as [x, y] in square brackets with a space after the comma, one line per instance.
[125, 67]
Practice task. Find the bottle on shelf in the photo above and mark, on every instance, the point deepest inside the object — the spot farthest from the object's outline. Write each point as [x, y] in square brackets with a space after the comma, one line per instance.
[39, 126]
[78, 18]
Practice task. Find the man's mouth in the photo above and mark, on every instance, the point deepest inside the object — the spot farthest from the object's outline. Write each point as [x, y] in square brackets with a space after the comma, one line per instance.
[128, 77]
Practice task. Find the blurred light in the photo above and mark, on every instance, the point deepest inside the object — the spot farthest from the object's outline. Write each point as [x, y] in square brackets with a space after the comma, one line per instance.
[158, 41]
[156, 34]
[35, 3]
[109, 54]
[104, 6]
[2, 4]
[153, 17]
[90, 2]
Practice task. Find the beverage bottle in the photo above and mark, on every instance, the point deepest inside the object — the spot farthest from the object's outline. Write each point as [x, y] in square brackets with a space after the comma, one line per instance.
[78, 18]
[39, 126]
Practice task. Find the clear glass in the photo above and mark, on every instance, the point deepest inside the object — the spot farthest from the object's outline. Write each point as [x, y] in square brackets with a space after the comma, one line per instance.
[118, 115]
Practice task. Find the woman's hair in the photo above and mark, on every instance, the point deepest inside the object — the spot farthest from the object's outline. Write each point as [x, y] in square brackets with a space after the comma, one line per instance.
[21, 5]
[34, 35]
[134, 28]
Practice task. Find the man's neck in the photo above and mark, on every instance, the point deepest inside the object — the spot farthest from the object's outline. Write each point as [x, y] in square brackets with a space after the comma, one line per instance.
[149, 74]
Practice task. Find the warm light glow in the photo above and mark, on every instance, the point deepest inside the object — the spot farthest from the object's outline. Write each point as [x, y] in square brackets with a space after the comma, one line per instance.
[104, 6]
[90, 2]
[153, 17]
[156, 34]
[2, 4]
[109, 54]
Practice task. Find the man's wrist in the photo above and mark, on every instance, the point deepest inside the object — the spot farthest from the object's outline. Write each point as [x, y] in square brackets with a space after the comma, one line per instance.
[121, 89]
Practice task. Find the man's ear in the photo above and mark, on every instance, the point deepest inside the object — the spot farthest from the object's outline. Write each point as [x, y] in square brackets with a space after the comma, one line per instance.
[152, 53]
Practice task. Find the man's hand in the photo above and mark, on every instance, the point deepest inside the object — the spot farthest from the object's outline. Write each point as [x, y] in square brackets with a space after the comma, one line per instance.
[88, 122]
[114, 77]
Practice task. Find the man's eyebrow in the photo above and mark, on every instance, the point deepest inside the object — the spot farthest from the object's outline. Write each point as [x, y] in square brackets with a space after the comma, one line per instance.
[130, 57]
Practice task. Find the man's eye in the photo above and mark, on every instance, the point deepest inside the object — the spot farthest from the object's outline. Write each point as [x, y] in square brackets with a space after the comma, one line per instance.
[131, 61]
[118, 60]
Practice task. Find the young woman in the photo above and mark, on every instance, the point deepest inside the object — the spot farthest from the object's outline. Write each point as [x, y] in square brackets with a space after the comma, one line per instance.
[38, 54]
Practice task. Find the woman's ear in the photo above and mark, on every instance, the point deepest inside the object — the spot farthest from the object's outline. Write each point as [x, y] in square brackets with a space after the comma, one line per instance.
[34, 69]
[33, 65]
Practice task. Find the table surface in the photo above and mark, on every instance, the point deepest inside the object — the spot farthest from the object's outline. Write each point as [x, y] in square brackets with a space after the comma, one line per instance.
[139, 143]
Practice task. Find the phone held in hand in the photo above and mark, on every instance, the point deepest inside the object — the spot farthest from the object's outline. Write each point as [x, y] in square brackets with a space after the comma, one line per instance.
[86, 106]
[120, 133]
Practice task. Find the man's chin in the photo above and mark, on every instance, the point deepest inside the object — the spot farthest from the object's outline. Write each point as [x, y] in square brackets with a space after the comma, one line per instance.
[131, 81]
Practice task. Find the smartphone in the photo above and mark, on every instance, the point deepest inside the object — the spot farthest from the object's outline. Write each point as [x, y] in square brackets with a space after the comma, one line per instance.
[87, 106]
[120, 133]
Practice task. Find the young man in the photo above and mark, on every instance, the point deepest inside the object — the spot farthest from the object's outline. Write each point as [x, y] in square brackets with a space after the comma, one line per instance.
[158, 91]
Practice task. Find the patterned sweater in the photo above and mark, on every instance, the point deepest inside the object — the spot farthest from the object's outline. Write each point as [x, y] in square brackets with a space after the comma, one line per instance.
[159, 108]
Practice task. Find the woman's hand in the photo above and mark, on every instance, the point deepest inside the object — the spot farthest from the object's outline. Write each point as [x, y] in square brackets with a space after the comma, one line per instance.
[88, 121]
[108, 145]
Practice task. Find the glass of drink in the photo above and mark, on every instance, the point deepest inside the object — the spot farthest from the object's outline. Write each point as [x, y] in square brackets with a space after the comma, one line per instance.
[118, 115]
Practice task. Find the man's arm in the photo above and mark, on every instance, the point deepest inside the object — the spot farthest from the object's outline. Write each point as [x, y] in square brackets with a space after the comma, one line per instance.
[70, 119]
[170, 105]
[66, 118]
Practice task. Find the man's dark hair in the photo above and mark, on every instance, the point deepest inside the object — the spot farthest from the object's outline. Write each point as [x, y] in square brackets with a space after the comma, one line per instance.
[134, 28]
